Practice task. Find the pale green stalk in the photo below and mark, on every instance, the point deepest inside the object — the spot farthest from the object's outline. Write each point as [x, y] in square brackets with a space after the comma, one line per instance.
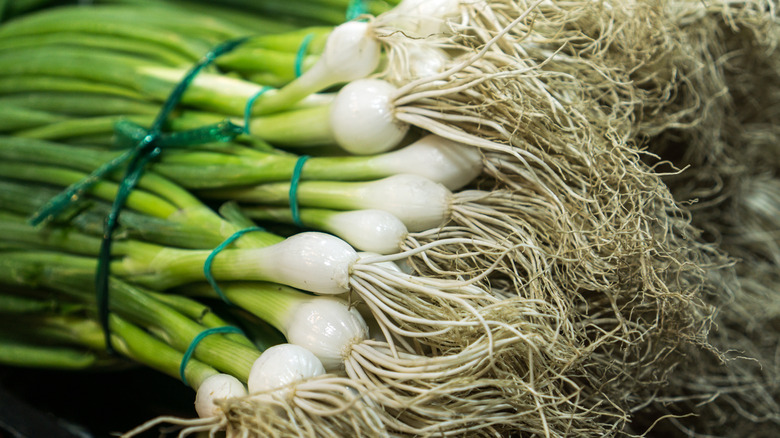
[315, 194]
[73, 277]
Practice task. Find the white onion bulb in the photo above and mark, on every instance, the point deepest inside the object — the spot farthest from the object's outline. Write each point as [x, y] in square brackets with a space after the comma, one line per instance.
[327, 327]
[418, 202]
[282, 365]
[351, 52]
[421, 18]
[216, 387]
[369, 230]
[362, 118]
[444, 161]
[312, 261]
[424, 60]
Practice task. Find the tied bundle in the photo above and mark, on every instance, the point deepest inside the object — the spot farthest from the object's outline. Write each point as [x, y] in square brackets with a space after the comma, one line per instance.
[447, 210]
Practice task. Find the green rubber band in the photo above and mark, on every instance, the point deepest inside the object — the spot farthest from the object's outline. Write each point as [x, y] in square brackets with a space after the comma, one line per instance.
[355, 9]
[196, 340]
[301, 54]
[248, 109]
[210, 260]
[294, 180]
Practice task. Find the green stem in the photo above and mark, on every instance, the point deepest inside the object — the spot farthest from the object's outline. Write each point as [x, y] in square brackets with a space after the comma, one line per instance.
[164, 268]
[307, 12]
[314, 218]
[178, 32]
[26, 199]
[315, 194]
[15, 353]
[138, 345]
[263, 60]
[252, 23]
[153, 265]
[47, 83]
[128, 339]
[142, 48]
[54, 329]
[14, 117]
[290, 42]
[139, 200]
[268, 301]
[193, 213]
[80, 104]
[16, 229]
[199, 313]
[305, 127]
[74, 62]
[209, 91]
[15, 305]
[299, 128]
[73, 276]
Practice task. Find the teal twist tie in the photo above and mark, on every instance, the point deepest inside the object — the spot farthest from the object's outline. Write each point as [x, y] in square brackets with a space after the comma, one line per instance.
[355, 9]
[301, 54]
[148, 146]
[210, 260]
[249, 104]
[194, 344]
[128, 134]
[294, 180]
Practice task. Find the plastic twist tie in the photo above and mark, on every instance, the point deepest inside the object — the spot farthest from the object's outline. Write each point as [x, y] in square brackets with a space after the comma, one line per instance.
[248, 109]
[355, 9]
[194, 344]
[301, 54]
[294, 181]
[210, 260]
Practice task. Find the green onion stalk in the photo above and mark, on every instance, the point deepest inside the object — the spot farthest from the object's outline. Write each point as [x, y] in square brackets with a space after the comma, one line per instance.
[174, 319]
[71, 275]
[52, 334]
[222, 362]
[300, 12]
[83, 56]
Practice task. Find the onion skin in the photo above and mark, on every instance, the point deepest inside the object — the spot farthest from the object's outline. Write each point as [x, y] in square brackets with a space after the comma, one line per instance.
[369, 230]
[327, 327]
[216, 387]
[362, 118]
[418, 202]
[312, 261]
[351, 52]
[282, 365]
[422, 18]
[452, 164]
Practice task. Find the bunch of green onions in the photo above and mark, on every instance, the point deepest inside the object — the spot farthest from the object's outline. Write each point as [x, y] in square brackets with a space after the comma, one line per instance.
[70, 92]
[304, 176]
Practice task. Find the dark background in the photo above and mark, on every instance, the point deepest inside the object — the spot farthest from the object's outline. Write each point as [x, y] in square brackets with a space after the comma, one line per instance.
[67, 404]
